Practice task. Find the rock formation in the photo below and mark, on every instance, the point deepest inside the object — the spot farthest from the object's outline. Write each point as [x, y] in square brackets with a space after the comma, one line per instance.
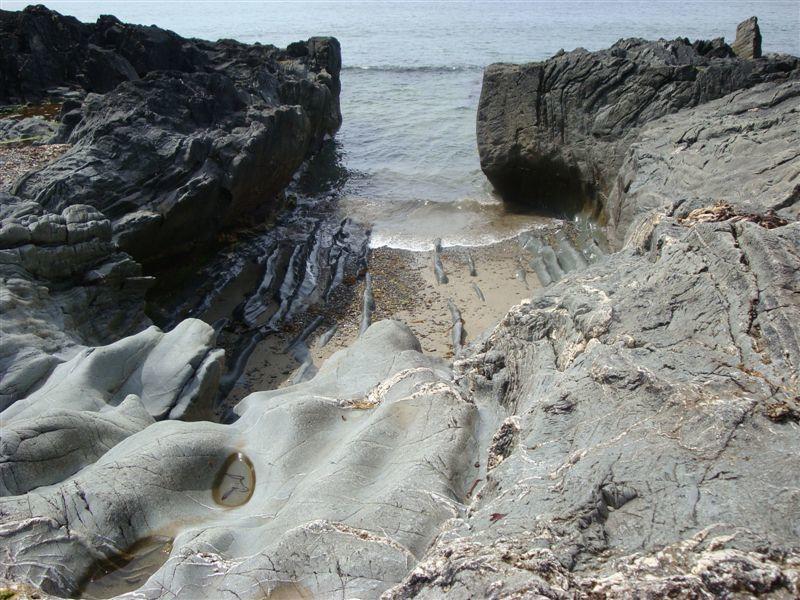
[748, 39]
[623, 429]
[561, 128]
[742, 149]
[183, 137]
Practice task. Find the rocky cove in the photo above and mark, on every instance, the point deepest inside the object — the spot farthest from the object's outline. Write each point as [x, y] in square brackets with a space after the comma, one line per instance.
[211, 386]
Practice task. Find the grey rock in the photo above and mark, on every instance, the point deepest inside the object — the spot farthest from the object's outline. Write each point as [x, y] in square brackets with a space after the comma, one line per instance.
[367, 305]
[478, 292]
[561, 128]
[28, 130]
[741, 149]
[639, 394]
[748, 39]
[471, 265]
[58, 442]
[614, 432]
[438, 269]
[160, 368]
[368, 406]
[53, 267]
[64, 401]
[617, 435]
[457, 331]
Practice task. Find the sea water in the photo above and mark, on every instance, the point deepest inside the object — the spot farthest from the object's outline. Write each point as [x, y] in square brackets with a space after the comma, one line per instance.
[412, 79]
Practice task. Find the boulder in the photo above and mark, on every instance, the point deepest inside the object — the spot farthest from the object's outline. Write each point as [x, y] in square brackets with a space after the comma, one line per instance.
[748, 39]
[553, 134]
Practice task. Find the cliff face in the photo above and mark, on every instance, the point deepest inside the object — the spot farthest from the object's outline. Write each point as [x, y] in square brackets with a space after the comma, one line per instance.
[176, 138]
[553, 133]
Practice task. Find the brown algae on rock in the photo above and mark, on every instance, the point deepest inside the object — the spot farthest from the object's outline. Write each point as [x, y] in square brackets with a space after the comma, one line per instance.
[235, 481]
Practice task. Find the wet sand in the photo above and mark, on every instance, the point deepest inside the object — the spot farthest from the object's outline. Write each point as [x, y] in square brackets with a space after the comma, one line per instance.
[405, 288]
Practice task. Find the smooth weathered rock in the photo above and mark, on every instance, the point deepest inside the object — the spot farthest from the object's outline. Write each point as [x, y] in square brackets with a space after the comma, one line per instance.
[53, 267]
[363, 462]
[554, 133]
[63, 289]
[182, 137]
[748, 39]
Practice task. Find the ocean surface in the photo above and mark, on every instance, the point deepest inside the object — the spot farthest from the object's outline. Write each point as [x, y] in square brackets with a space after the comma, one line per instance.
[412, 78]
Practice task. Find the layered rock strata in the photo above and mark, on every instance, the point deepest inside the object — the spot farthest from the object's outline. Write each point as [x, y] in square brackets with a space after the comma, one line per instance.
[64, 291]
[748, 39]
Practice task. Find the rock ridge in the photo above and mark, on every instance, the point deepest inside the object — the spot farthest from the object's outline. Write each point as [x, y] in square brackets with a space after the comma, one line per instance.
[560, 128]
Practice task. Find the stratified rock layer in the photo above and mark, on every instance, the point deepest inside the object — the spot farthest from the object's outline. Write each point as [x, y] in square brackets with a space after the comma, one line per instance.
[748, 39]
[53, 268]
[743, 150]
[179, 138]
[63, 290]
[553, 133]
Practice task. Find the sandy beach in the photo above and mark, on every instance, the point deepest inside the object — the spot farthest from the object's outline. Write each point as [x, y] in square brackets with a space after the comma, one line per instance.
[405, 288]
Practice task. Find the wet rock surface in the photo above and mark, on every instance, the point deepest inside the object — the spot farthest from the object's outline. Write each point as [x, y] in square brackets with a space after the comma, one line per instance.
[177, 138]
[560, 128]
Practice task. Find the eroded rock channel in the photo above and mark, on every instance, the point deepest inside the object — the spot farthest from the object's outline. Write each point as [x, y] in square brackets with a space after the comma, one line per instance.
[629, 429]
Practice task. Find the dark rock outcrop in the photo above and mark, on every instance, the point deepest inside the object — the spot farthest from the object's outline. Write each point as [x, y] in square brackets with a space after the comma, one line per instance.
[555, 133]
[748, 39]
[182, 137]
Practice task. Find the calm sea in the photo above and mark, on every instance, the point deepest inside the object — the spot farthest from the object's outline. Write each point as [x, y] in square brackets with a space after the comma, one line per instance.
[412, 77]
